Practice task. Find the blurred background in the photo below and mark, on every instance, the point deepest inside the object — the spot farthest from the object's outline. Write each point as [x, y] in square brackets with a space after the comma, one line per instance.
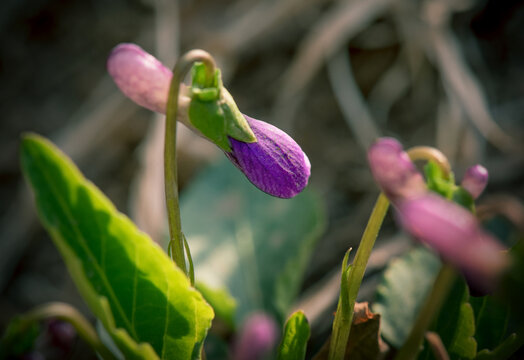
[335, 74]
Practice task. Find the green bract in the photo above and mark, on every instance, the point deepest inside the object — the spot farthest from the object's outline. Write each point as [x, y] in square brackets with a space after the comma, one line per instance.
[144, 301]
[214, 112]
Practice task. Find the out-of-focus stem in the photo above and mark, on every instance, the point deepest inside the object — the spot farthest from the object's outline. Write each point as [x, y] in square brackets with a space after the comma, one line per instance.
[430, 154]
[66, 312]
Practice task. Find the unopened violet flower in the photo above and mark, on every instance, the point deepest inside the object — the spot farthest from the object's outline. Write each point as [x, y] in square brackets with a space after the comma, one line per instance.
[394, 171]
[448, 228]
[275, 163]
[475, 180]
[257, 338]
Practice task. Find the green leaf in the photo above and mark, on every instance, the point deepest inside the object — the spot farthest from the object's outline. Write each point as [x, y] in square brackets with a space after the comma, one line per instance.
[455, 323]
[402, 290]
[19, 337]
[221, 301]
[146, 304]
[255, 245]
[504, 350]
[294, 340]
[491, 320]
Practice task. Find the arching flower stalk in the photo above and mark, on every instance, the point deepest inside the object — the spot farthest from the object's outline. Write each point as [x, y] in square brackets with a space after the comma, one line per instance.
[268, 157]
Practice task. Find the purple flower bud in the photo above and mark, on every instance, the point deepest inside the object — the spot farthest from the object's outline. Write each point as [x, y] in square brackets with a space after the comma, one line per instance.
[394, 171]
[259, 335]
[61, 333]
[455, 234]
[475, 180]
[275, 163]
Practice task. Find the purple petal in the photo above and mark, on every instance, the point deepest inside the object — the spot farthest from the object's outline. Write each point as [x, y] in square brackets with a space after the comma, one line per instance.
[275, 163]
[394, 171]
[455, 234]
[140, 76]
[475, 180]
[258, 337]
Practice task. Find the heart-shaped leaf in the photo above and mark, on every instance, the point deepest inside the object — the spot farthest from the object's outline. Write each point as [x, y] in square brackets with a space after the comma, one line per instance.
[402, 291]
[146, 304]
[255, 245]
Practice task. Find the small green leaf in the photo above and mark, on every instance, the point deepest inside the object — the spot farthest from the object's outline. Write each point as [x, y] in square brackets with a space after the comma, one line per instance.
[491, 320]
[145, 302]
[19, 337]
[294, 340]
[257, 246]
[504, 350]
[221, 301]
[344, 291]
[401, 292]
[455, 323]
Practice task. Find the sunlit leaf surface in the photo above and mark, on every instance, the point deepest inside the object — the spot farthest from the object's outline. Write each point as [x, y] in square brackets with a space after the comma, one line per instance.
[146, 304]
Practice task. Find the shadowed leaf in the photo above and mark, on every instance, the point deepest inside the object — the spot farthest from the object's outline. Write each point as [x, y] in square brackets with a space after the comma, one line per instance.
[401, 292]
[257, 246]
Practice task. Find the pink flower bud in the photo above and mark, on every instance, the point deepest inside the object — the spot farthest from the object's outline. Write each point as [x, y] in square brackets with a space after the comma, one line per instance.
[475, 180]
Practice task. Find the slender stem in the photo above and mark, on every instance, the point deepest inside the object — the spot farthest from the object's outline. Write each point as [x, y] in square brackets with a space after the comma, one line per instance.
[429, 309]
[429, 153]
[343, 319]
[66, 312]
[181, 68]
[344, 315]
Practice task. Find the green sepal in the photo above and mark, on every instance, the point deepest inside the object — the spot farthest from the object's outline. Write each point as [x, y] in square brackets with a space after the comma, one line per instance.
[437, 182]
[464, 198]
[202, 87]
[208, 117]
[446, 187]
[236, 124]
[213, 111]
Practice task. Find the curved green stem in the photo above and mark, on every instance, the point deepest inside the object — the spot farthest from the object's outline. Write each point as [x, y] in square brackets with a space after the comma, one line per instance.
[429, 309]
[66, 312]
[430, 154]
[183, 65]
